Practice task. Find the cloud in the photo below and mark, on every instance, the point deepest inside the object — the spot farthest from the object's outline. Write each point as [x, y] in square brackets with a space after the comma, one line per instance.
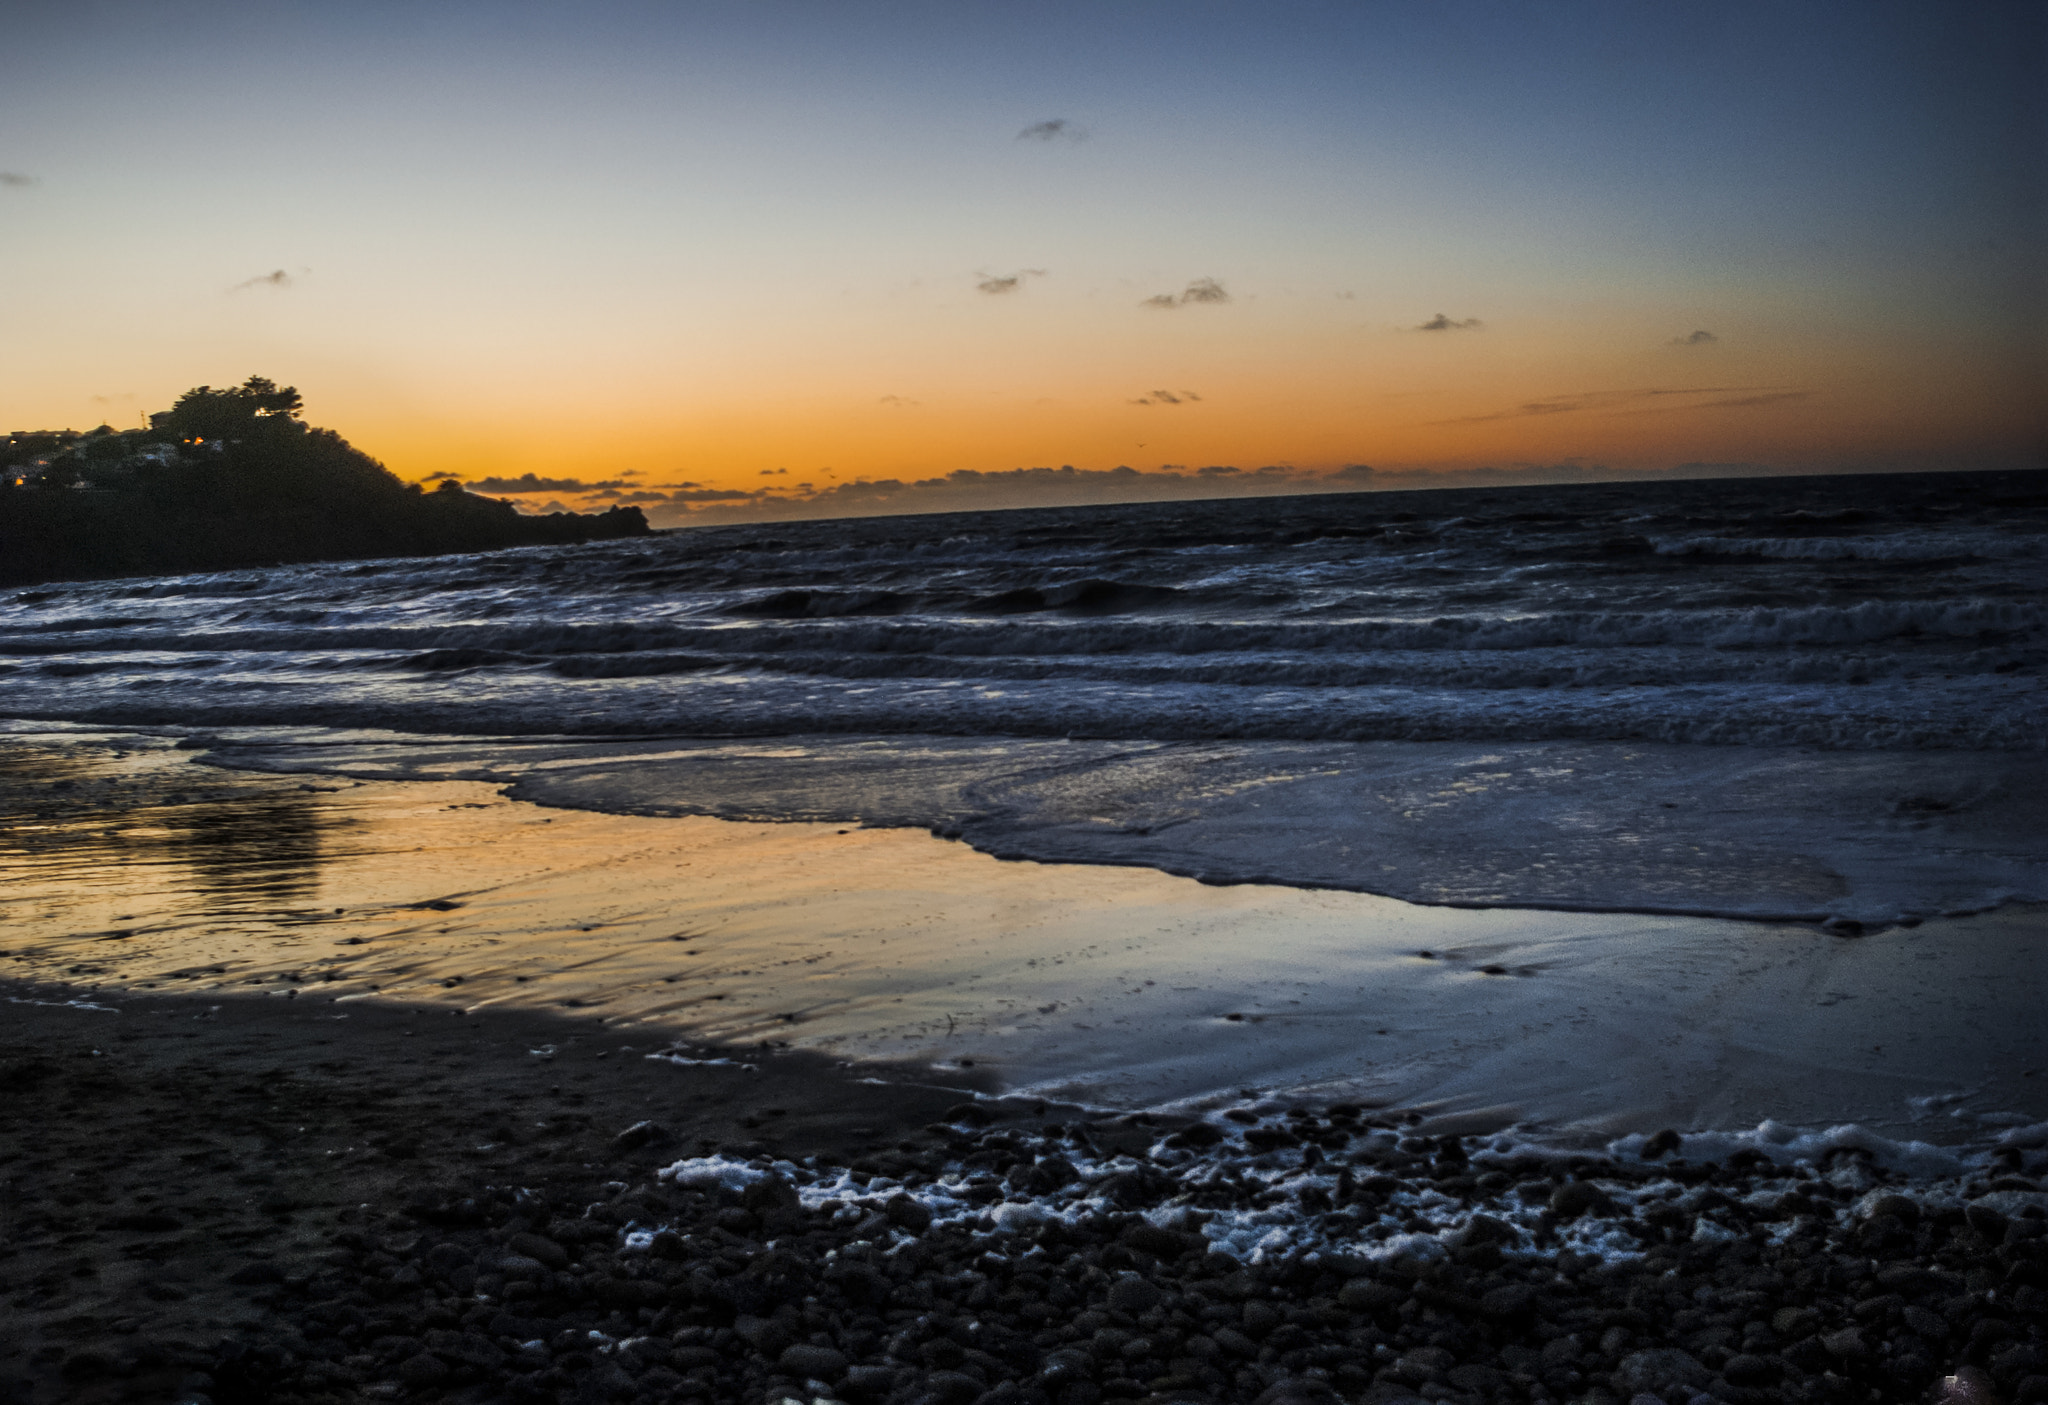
[276, 278]
[967, 490]
[1441, 323]
[1633, 402]
[1566, 471]
[1695, 339]
[711, 495]
[1006, 282]
[1168, 397]
[1747, 402]
[1052, 129]
[1201, 290]
[898, 401]
[772, 472]
[534, 483]
[16, 179]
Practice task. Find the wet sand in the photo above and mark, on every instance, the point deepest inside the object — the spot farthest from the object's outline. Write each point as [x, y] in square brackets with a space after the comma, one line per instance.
[129, 865]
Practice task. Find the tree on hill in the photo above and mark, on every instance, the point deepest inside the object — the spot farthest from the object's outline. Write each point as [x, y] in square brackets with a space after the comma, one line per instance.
[258, 406]
[233, 478]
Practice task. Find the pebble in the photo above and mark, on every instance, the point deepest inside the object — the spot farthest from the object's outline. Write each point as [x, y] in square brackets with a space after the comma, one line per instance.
[1109, 1291]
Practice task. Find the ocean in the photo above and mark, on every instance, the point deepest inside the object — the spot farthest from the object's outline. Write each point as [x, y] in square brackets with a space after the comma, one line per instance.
[1815, 699]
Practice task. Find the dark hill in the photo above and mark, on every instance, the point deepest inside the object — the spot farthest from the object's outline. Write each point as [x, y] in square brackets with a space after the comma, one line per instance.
[233, 478]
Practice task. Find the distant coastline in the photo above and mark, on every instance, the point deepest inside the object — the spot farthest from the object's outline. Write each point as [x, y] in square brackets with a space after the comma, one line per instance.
[232, 479]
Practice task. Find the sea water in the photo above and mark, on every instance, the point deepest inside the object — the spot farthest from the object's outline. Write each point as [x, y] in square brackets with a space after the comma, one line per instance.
[1816, 699]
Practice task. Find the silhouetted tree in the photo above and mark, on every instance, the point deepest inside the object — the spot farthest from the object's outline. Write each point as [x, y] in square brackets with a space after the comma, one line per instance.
[257, 406]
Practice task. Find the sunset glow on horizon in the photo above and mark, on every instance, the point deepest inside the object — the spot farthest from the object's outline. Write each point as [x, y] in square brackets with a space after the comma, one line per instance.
[758, 259]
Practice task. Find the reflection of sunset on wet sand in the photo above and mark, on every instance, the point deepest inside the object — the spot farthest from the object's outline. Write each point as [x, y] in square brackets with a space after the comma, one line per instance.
[1105, 985]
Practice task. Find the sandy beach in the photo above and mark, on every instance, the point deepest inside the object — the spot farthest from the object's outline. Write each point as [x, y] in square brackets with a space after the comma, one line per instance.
[296, 1064]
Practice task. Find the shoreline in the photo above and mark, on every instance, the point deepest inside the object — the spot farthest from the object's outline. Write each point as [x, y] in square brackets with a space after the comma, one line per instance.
[1095, 985]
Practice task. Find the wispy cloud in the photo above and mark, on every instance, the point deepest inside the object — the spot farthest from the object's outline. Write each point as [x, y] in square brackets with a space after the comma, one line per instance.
[710, 495]
[534, 483]
[1441, 323]
[898, 402]
[1052, 129]
[999, 283]
[1651, 401]
[16, 178]
[1168, 397]
[276, 278]
[1695, 339]
[1202, 290]
[1356, 476]
[974, 489]
[1746, 402]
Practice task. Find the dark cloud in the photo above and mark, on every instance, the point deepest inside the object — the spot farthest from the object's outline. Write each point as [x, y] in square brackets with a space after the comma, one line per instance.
[1006, 282]
[1695, 339]
[16, 178]
[276, 278]
[711, 495]
[1441, 323]
[1201, 290]
[534, 483]
[773, 472]
[1168, 397]
[965, 490]
[1052, 129]
[974, 489]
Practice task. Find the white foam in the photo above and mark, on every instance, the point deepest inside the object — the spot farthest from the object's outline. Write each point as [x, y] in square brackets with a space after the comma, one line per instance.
[1788, 1146]
[1419, 1222]
[712, 1173]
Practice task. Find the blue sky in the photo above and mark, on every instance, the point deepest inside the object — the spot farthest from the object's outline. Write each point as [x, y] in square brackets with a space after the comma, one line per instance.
[710, 241]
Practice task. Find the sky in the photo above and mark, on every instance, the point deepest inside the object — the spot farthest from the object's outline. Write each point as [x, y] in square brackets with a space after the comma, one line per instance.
[788, 258]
